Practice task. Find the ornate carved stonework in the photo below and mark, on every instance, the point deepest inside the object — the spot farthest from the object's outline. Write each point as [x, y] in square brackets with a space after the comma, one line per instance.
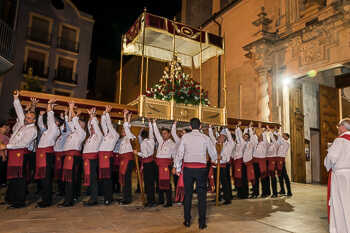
[311, 46]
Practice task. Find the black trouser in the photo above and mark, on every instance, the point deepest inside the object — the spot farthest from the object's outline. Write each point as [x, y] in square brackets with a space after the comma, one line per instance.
[93, 179]
[228, 177]
[224, 182]
[198, 175]
[77, 187]
[106, 183]
[168, 192]
[265, 182]
[3, 174]
[115, 180]
[60, 182]
[16, 190]
[127, 181]
[285, 177]
[71, 187]
[244, 190]
[150, 180]
[32, 166]
[274, 185]
[47, 181]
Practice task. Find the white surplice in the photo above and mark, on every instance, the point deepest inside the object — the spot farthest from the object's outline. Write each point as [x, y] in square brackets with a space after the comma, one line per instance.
[338, 158]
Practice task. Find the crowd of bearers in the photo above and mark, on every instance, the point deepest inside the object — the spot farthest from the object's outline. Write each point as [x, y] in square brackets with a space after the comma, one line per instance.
[69, 147]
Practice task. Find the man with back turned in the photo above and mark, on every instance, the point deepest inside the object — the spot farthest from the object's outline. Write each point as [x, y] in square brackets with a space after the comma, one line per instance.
[193, 152]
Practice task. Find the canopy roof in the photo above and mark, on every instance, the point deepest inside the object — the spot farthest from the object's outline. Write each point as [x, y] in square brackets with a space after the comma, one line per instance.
[159, 35]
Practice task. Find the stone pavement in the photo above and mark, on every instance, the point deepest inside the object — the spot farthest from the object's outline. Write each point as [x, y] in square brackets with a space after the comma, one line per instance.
[304, 212]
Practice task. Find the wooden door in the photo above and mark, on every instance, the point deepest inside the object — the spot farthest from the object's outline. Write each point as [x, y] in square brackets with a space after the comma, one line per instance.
[329, 119]
[297, 134]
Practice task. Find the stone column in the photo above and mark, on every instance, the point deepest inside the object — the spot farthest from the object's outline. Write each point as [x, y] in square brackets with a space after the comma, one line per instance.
[263, 94]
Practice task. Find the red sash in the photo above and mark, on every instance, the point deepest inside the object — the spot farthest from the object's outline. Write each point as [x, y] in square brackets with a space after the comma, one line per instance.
[262, 166]
[104, 164]
[195, 165]
[86, 158]
[124, 161]
[58, 165]
[15, 163]
[222, 165]
[40, 163]
[250, 172]
[145, 160]
[116, 163]
[345, 136]
[238, 172]
[280, 161]
[164, 173]
[272, 166]
[68, 164]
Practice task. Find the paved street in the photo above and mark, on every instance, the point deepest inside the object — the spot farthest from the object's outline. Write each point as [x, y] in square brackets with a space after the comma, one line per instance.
[304, 212]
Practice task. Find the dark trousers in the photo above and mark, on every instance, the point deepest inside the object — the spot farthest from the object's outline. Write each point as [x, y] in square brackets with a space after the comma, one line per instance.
[274, 185]
[16, 190]
[198, 175]
[168, 192]
[71, 187]
[175, 178]
[127, 181]
[115, 181]
[106, 183]
[32, 166]
[47, 181]
[228, 177]
[285, 177]
[150, 180]
[3, 174]
[265, 182]
[243, 191]
[93, 179]
[224, 182]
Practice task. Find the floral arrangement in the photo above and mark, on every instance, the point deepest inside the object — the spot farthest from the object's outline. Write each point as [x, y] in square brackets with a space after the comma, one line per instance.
[186, 90]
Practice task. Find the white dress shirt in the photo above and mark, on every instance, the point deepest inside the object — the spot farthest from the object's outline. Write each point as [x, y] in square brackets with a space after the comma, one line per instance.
[76, 137]
[117, 146]
[50, 135]
[284, 146]
[92, 144]
[249, 145]
[61, 140]
[147, 144]
[227, 146]
[125, 145]
[193, 148]
[23, 135]
[166, 149]
[274, 145]
[261, 148]
[240, 145]
[110, 134]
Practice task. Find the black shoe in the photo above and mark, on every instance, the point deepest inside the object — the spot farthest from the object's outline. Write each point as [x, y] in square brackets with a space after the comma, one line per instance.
[89, 203]
[282, 192]
[42, 206]
[15, 206]
[202, 226]
[187, 223]
[253, 196]
[160, 202]
[288, 195]
[65, 204]
[168, 205]
[107, 202]
[123, 202]
[226, 203]
[274, 196]
[75, 199]
[152, 205]
[5, 203]
[59, 194]
[263, 196]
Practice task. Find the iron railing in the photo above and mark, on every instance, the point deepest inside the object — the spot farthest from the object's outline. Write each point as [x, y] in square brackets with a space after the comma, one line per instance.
[39, 69]
[7, 41]
[66, 44]
[66, 75]
[39, 36]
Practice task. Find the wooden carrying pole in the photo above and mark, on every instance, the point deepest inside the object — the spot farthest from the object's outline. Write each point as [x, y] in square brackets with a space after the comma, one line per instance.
[217, 189]
[140, 180]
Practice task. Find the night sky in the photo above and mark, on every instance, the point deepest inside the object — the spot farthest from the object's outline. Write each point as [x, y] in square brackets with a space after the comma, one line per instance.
[113, 18]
